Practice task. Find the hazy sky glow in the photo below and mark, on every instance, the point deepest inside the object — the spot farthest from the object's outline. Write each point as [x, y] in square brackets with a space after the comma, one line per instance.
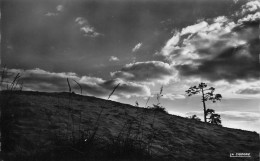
[142, 45]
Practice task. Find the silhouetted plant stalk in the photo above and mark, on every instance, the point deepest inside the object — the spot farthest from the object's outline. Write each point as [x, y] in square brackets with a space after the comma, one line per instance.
[79, 86]
[20, 85]
[68, 108]
[157, 106]
[124, 126]
[142, 119]
[6, 117]
[147, 102]
[3, 73]
[14, 84]
[69, 85]
[155, 109]
[136, 104]
[92, 137]
[80, 119]
[113, 91]
[127, 138]
[70, 114]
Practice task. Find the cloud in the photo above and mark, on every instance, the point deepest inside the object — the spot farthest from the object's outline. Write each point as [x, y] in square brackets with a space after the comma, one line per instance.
[249, 12]
[127, 89]
[41, 80]
[171, 45]
[86, 28]
[218, 49]
[240, 116]
[173, 96]
[194, 28]
[113, 58]
[51, 14]
[149, 71]
[250, 7]
[81, 20]
[250, 91]
[235, 1]
[250, 18]
[59, 8]
[137, 47]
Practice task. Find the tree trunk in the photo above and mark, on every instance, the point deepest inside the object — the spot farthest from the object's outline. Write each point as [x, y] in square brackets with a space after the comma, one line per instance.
[204, 105]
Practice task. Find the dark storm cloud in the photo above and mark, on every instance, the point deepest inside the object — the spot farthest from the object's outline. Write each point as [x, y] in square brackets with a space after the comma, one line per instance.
[251, 91]
[43, 33]
[231, 64]
[32, 39]
[41, 80]
[146, 72]
[220, 49]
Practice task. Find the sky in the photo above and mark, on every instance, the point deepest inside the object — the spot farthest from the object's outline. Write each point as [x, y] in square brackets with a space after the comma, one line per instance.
[142, 45]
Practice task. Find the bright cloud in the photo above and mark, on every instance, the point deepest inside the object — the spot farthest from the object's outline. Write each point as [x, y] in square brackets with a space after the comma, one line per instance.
[137, 47]
[171, 96]
[86, 28]
[60, 8]
[148, 72]
[171, 45]
[194, 28]
[219, 49]
[113, 58]
[250, 7]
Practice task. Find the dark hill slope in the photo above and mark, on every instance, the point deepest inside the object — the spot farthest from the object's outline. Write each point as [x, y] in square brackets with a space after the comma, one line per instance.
[34, 124]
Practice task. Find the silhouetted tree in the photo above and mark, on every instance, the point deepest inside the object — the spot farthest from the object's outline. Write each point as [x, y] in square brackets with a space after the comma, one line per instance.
[207, 94]
[209, 112]
[215, 119]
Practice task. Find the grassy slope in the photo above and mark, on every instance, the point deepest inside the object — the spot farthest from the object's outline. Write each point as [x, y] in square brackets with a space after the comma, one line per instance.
[38, 116]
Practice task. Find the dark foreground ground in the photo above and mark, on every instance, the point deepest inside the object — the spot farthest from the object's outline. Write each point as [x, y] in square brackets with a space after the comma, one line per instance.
[38, 126]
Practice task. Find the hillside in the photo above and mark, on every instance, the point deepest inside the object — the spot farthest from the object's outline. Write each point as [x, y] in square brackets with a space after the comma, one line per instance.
[63, 126]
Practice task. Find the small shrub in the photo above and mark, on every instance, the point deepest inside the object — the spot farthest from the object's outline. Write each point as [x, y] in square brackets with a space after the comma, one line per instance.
[194, 117]
[158, 108]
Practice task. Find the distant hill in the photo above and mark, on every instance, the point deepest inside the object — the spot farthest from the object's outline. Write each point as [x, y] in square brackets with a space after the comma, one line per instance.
[62, 126]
